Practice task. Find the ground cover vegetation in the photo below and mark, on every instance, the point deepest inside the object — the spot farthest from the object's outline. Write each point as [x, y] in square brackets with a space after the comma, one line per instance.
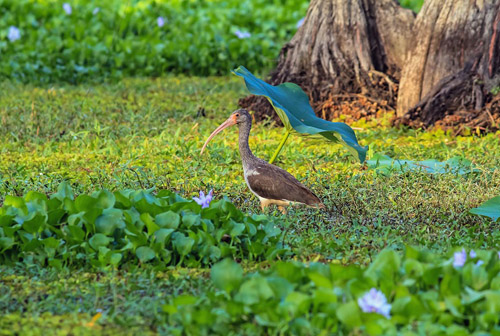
[104, 231]
[62, 145]
[83, 40]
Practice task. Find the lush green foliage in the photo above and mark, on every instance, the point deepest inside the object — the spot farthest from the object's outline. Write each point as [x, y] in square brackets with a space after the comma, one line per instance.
[140, 134]
[107, 228]
[113, 39]
[124, 38]
[291, 103]
[428, 296]
[414, 5]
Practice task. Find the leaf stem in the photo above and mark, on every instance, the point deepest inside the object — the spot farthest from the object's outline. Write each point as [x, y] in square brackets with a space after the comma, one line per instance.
[280, 146]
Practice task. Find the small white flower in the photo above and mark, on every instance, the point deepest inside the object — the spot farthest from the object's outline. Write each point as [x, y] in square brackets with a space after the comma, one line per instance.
[160, 21]
[14, 34]
[241, 34]
[300, 23]
[96, 10]
[472, 254]
[67, 8]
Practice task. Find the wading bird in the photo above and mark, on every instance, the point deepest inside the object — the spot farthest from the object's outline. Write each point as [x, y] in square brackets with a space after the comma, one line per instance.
[271, 184]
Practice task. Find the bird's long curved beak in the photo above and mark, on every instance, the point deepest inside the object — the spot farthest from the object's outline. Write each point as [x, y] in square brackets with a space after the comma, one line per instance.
[229, 122]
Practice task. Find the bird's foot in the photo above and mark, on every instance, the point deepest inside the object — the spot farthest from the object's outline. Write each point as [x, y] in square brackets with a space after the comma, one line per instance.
[282, 209]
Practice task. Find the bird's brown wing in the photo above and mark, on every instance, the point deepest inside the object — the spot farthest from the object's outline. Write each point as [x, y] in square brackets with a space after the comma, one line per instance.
[271, 182]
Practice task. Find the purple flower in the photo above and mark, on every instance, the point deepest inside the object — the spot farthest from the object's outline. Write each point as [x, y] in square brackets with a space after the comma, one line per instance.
[479, 263]
[203, 200]
[241, 34]
[160, 21]
[300, 23]
[459, 258]
[96, 10]
[67, 8]
[375, 302]
[14, 34]
[472, 254]
[498, 254]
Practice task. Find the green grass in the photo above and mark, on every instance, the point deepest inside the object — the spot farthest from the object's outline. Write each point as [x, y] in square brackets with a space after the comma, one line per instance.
[144, 133]
[36, 299]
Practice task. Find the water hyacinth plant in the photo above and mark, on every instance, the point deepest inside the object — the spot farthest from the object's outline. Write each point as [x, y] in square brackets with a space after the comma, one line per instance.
[130, 226]
[203, 200]
[300, 23]
[375, 302]
[67, 8]
[47, 52]
[13, 34]
[459, 258]
[160, 21]
[242, 34]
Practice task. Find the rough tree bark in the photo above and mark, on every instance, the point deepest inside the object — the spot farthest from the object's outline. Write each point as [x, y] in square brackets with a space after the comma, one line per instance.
[447, 59]
[341, 42]
[454, 62]
[344, 47]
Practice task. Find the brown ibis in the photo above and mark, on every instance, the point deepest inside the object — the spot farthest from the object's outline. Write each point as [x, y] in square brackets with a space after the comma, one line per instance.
[271, 184]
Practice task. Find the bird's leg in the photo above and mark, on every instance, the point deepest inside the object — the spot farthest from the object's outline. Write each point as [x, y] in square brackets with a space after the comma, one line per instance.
[264, 203]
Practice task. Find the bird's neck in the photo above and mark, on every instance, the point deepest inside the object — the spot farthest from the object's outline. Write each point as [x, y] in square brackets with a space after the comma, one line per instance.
[245, 152]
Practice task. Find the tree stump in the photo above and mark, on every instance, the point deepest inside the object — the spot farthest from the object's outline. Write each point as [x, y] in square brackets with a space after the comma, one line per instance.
[454, 62]
[445, 60]
[344, 47]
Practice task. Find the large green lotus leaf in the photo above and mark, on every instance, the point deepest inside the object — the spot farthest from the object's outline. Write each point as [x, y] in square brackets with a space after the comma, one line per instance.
[292, 106]
[490, 208]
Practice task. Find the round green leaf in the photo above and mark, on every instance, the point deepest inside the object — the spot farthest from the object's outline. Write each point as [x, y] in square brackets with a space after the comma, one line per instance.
[227, 275]
[99, 240]
[144, 254]
[110, 220]
[182, 244]
[169, 220]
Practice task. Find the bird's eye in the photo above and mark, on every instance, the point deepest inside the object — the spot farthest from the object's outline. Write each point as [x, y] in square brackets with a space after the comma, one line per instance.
[237, 114]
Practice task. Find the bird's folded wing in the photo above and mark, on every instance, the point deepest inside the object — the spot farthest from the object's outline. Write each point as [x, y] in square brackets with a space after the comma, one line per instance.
[271, 182]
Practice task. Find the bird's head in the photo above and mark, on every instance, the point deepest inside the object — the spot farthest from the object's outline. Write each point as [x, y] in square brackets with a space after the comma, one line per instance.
[238, 117]
[241, 116]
